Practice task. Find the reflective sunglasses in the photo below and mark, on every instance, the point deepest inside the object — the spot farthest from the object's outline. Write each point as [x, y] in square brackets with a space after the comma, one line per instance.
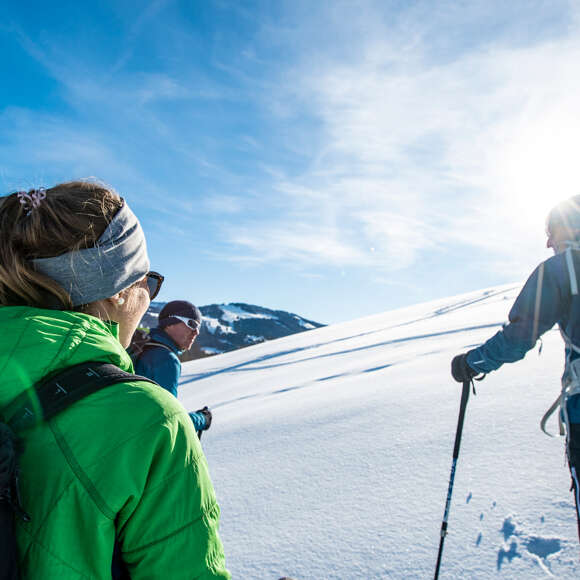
[189, 322]
[154, 282]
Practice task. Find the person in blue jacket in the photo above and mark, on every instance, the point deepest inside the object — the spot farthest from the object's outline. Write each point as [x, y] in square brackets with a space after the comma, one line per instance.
[178, 327]
[550, 296]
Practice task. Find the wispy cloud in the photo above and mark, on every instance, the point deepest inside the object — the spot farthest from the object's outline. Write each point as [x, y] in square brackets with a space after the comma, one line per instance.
[40, 149]
[343, 134]
[411, 152]
[148, 12]
[36, 140]
[219, 204]
[305, 243]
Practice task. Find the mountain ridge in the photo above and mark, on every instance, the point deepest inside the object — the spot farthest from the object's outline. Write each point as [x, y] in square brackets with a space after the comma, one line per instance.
[228, 327]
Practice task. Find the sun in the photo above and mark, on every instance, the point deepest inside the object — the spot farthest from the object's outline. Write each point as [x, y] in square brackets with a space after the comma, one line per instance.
[539, 169]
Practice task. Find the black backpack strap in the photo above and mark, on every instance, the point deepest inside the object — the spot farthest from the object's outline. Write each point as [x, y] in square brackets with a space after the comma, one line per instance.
[53, 394]
[136, 355]
[58, 391]
[153, 342]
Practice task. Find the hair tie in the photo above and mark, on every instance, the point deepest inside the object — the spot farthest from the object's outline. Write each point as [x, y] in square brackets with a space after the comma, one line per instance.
[32, 199]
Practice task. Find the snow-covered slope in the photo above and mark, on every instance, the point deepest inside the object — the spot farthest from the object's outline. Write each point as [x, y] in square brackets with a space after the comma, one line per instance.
[331, 450]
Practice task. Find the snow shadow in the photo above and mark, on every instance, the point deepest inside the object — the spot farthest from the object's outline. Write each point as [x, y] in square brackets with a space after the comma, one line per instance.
[464, 303]
[380, 368]
[243, 365]
[310, 384]
[458, 305]
[253, 365]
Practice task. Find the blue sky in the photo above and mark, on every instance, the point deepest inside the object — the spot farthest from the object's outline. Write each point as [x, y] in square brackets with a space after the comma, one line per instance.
[333, 159]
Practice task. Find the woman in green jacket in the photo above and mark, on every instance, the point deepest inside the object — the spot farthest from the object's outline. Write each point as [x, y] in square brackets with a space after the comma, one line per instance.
[123, 466]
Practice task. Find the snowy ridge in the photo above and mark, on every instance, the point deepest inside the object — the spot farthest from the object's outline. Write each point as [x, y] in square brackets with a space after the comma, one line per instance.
[214, 326]
[227, 327]
[331, 450]
[232, 313]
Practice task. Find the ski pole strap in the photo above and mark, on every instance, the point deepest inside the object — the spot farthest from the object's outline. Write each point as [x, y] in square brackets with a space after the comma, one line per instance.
[570, 387]
[553, 407]
[571, 272]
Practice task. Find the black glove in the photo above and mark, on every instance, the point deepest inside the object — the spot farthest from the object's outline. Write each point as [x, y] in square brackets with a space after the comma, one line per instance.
[460, 370]
[207, 414]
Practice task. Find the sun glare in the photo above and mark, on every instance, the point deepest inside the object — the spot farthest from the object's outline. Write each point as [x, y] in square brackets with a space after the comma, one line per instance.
[540, 169]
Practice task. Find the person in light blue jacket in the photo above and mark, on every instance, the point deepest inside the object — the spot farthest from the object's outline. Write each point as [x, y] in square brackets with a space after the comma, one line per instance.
[178, 327]
[550, 296]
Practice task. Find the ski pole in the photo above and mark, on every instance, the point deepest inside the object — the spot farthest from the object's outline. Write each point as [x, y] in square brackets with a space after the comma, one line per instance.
[462, 407]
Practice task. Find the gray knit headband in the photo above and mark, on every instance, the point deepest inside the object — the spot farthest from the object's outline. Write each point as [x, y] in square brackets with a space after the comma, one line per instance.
[117, 260]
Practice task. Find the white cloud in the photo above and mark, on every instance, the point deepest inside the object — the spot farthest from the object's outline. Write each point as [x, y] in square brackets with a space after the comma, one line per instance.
[303, 243]
[222, 204]
[45, 141]
[414, 153]
[407, 132]
[41, 150]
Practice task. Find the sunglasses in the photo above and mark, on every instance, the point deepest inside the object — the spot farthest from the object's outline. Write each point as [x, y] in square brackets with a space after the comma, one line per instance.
[154, 282]
[189, 322]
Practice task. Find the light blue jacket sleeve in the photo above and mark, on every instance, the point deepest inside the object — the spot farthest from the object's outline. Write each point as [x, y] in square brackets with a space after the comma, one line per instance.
[163, 366]
[198, 421]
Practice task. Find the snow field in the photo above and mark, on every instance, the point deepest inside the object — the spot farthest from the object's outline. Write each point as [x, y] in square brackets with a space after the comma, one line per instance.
[330, 451]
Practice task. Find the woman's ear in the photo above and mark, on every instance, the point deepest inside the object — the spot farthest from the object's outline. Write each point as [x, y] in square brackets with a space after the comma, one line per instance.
[116, 300]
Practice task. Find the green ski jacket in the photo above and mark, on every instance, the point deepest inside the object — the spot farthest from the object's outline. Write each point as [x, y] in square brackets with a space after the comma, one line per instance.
[122, 464]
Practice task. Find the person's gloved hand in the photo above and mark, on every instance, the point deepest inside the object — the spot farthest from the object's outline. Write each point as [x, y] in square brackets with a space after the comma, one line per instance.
[460, 370]
[207, 415]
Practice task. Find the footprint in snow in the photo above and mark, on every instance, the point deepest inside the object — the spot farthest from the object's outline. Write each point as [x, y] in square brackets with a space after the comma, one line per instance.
[509, 528]
[538, 546]
[542, 547]
[510, 554]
